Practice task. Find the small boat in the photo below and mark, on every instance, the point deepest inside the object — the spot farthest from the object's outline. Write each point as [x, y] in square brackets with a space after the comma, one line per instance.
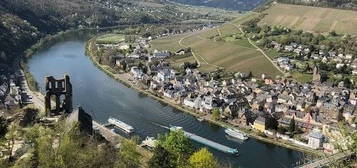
[149, 142]
[200, 119]
[236, 133]
[120, 124]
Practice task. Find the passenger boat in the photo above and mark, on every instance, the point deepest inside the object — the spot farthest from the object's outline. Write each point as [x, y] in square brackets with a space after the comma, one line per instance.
[120, 124]
[236, 133]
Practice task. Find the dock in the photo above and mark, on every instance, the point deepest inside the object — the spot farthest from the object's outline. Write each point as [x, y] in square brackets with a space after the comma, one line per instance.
[109, 135]
[207, 142]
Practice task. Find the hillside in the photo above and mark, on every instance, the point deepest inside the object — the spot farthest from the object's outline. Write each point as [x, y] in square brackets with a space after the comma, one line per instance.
[309, 18]
[242, 5]
[23, 22]
[220, 47]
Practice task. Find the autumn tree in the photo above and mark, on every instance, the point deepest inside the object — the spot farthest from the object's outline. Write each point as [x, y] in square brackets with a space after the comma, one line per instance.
[203, 159]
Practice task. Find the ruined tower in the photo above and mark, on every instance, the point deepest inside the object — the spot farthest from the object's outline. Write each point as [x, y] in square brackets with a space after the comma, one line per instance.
[59, 91]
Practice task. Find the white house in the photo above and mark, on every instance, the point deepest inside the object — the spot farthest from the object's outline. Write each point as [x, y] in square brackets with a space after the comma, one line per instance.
[165, 75]
[315, 140]
[136, 72]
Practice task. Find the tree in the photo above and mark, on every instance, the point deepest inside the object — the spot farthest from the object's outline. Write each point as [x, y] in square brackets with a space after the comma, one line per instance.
[271, 123]
[215, 114]
[3, 126]
[178, 145]
[292, 125]
[203, 159]
[10, 138]
[162, 158]
[339, 116]
[66, 147]
[129, 157]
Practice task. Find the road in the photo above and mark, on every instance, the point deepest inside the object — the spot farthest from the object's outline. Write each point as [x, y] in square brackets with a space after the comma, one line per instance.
[37, 98]
[327, 160]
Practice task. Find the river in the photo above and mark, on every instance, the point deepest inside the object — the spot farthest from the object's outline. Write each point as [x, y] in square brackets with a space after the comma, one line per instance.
[103, 97]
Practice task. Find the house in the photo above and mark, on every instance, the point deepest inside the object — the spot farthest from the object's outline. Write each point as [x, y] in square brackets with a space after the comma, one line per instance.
[169, 93]
[315, 140]
[193, 101]
[207, 103]
[354, 72]
[136, 72]
[183, 51]
[349, 56]
[165, 75]
[307, 51]
[160, 54]
[259, 124]
[124, 46]
[297, 51]
[338, 66]
[289, 48]
[189, 102]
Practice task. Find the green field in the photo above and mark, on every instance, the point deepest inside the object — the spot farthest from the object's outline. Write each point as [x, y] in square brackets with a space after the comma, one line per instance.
[312, 18]
[111, 38]
[227, 52]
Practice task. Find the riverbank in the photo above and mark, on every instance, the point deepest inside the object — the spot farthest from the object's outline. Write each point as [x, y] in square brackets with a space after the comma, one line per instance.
[124, 78]
[31, 87]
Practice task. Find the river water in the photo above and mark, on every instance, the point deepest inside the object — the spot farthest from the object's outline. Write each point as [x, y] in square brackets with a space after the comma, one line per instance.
[104, 97]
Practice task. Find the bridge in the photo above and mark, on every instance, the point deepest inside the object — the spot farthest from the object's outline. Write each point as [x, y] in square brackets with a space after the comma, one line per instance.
[327, 160]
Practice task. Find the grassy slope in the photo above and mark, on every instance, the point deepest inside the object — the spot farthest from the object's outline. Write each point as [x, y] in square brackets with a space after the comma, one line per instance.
[111, 38]
[236, 55]
[312, 18]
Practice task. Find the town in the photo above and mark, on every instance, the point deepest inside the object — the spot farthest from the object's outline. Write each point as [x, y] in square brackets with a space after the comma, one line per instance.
[178, 83]
[262, 103]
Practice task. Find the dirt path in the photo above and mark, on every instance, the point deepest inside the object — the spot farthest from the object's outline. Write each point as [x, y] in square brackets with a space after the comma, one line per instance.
[204, 61]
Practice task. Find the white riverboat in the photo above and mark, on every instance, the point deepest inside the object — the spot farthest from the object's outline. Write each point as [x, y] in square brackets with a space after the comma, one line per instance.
[120, 124]
[236, 133]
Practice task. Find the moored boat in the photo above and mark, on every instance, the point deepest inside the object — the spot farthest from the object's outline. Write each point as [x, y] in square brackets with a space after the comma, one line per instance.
[120, 124]
[236, 133]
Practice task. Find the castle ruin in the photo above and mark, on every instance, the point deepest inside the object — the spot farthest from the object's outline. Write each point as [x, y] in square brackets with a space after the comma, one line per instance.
[59, 91]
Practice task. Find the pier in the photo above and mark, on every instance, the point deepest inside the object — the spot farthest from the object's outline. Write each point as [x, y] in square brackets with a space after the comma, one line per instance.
[109, 135]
